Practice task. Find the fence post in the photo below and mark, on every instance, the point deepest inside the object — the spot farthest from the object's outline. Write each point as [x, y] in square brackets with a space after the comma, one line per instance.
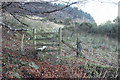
[77, 53]
[22, 43]
[60, 39]
[79, 47]
[34, 37]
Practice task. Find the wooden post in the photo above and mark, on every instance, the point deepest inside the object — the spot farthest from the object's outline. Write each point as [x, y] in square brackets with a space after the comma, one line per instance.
[79, 47]
[77, 43]
[34, 37]
[60, 40]
[22, 43]
[1, 56]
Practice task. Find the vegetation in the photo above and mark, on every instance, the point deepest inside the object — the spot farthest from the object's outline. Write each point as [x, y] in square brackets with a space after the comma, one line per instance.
[72, 13]
[99, 47]
[108, 29]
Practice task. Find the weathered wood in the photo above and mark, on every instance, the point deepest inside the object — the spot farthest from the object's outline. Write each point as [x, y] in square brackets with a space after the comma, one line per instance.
[34, 37]
[44, 39]
[77, 53]
[47, 40]
[60, 40]
[73, 48]
[48, 50]
[22, 42]
[79, 47]
[47, 44]
[57, 39]
[45, 33]
[70, 46]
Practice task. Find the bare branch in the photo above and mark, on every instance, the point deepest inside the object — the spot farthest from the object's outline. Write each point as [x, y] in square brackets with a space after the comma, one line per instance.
[4, 6]
[47, 12]
[19, 5]
[58, 8]
[19, 20]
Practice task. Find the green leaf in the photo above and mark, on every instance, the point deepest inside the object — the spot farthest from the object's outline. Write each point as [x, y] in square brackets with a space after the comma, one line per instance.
[33, 65]
[16, 75]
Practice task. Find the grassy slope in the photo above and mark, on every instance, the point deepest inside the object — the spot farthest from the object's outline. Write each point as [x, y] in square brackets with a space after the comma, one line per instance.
[100, 49]
[16, 65]
[97, 49]
[42, 25]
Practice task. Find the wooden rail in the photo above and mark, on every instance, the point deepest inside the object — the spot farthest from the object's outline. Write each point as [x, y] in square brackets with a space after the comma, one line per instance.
[48, 50]
[44, 39]
[47, 44]
[45, 33]
[70, 46]
[56, 39]
[77, 50]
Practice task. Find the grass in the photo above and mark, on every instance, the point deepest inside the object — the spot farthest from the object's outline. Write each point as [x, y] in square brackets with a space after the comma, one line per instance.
[42, 25]
[98, 49]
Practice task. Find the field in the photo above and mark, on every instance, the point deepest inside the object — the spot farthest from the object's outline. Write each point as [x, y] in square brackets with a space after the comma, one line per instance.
[100, 54]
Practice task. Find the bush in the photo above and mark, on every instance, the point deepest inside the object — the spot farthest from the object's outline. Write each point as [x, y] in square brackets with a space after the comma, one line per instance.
[111, 30]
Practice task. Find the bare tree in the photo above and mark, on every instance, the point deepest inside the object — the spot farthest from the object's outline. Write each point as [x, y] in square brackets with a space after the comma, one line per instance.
[14, 8]
[19, 8]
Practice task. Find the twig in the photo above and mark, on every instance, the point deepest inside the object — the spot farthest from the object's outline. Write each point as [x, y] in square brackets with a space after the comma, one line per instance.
[19, 20]
[100, 74]
[116, 73]
[105, 74]
[4, 6]
[51, 11]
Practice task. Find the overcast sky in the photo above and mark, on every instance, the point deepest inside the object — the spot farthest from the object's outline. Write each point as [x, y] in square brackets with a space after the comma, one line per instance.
[102, 12]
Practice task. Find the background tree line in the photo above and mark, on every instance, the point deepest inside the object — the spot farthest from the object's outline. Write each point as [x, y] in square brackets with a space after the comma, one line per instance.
[109, 29]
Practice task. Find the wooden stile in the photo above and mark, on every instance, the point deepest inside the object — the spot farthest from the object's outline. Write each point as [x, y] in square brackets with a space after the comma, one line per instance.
[48, 39]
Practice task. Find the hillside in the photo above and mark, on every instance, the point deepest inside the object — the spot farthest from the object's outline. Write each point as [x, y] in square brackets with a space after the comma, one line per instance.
[16, 65]
[69, 12]
[98, 54]
[52, 65]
